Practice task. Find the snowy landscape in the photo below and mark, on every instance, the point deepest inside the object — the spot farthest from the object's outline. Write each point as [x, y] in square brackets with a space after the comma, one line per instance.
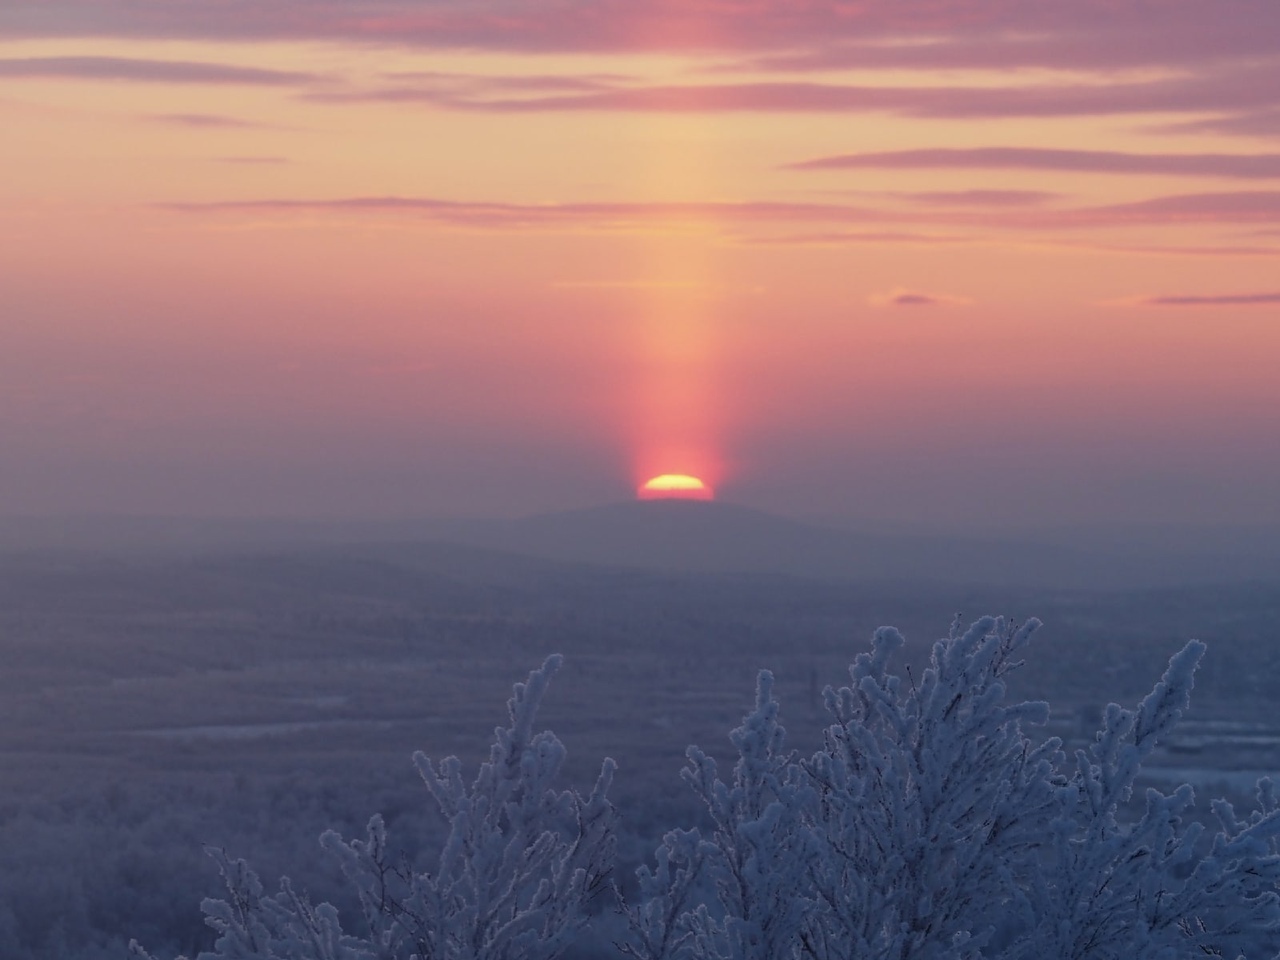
[167, 698]
[639, 479]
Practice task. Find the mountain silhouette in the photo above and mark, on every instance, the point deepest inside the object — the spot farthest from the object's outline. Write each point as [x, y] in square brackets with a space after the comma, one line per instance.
[687, 536]
[715, 537]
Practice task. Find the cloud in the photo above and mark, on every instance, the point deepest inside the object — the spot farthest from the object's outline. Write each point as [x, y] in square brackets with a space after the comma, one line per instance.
[1258, 207]
[1211, 300]
[477, 84]
[1188, 56]
[1254, 86]
[979, 198]
[901, 297]
[146, 71]
[1085, 35]
[1254, 123]
[1243, 207]
[842, 237]
[1163, 250]
[790, 35]
[514, 215]
[210, 121]
[1244, 166]
[470, 91]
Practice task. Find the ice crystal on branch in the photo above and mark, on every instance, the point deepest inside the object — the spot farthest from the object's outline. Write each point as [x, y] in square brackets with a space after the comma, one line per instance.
[929, 825]
[513, 881]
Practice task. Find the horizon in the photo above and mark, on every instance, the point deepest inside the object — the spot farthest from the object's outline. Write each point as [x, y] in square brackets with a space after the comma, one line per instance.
[1104, 533]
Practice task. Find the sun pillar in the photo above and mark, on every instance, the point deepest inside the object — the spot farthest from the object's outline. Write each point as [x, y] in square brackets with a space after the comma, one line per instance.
[677, 418]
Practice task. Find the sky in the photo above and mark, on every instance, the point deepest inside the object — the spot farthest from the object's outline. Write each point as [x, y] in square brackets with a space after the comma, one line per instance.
[949, 262]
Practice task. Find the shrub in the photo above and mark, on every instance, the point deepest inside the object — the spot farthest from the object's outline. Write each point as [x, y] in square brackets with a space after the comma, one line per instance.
[514, 878]
[929, 825]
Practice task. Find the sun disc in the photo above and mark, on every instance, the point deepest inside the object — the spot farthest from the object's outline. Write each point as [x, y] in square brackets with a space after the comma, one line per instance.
[675, 486]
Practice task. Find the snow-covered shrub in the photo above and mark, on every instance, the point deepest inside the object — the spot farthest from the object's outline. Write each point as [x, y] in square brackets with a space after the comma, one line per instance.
[758, 912]
[514, 880]
[929, 825]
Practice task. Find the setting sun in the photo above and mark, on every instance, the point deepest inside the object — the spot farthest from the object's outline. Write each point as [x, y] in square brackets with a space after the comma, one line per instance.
[675, 486]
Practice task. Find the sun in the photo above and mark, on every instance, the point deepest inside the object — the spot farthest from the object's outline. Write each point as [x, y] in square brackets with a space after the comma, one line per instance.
[674, 486]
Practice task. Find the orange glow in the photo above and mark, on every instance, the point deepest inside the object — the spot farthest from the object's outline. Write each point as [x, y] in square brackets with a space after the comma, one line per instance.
[675, 486]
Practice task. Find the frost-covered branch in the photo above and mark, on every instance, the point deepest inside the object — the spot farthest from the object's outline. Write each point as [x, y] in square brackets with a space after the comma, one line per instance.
[929, 825]
[514, 880]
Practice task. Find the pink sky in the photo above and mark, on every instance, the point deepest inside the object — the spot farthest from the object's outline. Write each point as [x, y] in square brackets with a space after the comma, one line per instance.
[961, 263]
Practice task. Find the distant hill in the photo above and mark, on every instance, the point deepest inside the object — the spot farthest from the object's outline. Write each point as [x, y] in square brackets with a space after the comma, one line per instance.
[693, 536]
[687, 536]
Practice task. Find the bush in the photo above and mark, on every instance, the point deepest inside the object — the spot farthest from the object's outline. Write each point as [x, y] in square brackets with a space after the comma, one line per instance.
[928, 825]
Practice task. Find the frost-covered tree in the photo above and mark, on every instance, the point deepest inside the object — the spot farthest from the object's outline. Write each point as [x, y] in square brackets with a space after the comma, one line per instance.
[928, 794]
[514, 880]
[931, 825]
[758, 911]
[1100, 887]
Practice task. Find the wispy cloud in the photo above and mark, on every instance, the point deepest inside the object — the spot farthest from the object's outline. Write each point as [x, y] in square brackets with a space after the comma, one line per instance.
[1257, 207]
[1242, 207]
[1246, 87]
[975, 34]
[1250, 123]
[1252, 87]
[833, 238]
[1244, 166]
[1208, 300]
[903, 33]
[514, 215]
[478, 84]
[471, 91]
[978, 198]
[146, 71]
[1189, 58]
[1233, 252]
[210, 121]
[903, 297]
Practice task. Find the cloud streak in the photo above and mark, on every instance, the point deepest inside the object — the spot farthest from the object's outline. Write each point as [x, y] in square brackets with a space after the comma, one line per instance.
[513, 215]
[1256, 207]
[834, 238]
[1251, 123]
[978, 198]
[1241, 207]
[963, 33]
[1211, 300]
[903, 297]
[1246, 87]
[206, 121]
[1220, 59]
[1242, 166]
[145, 71]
